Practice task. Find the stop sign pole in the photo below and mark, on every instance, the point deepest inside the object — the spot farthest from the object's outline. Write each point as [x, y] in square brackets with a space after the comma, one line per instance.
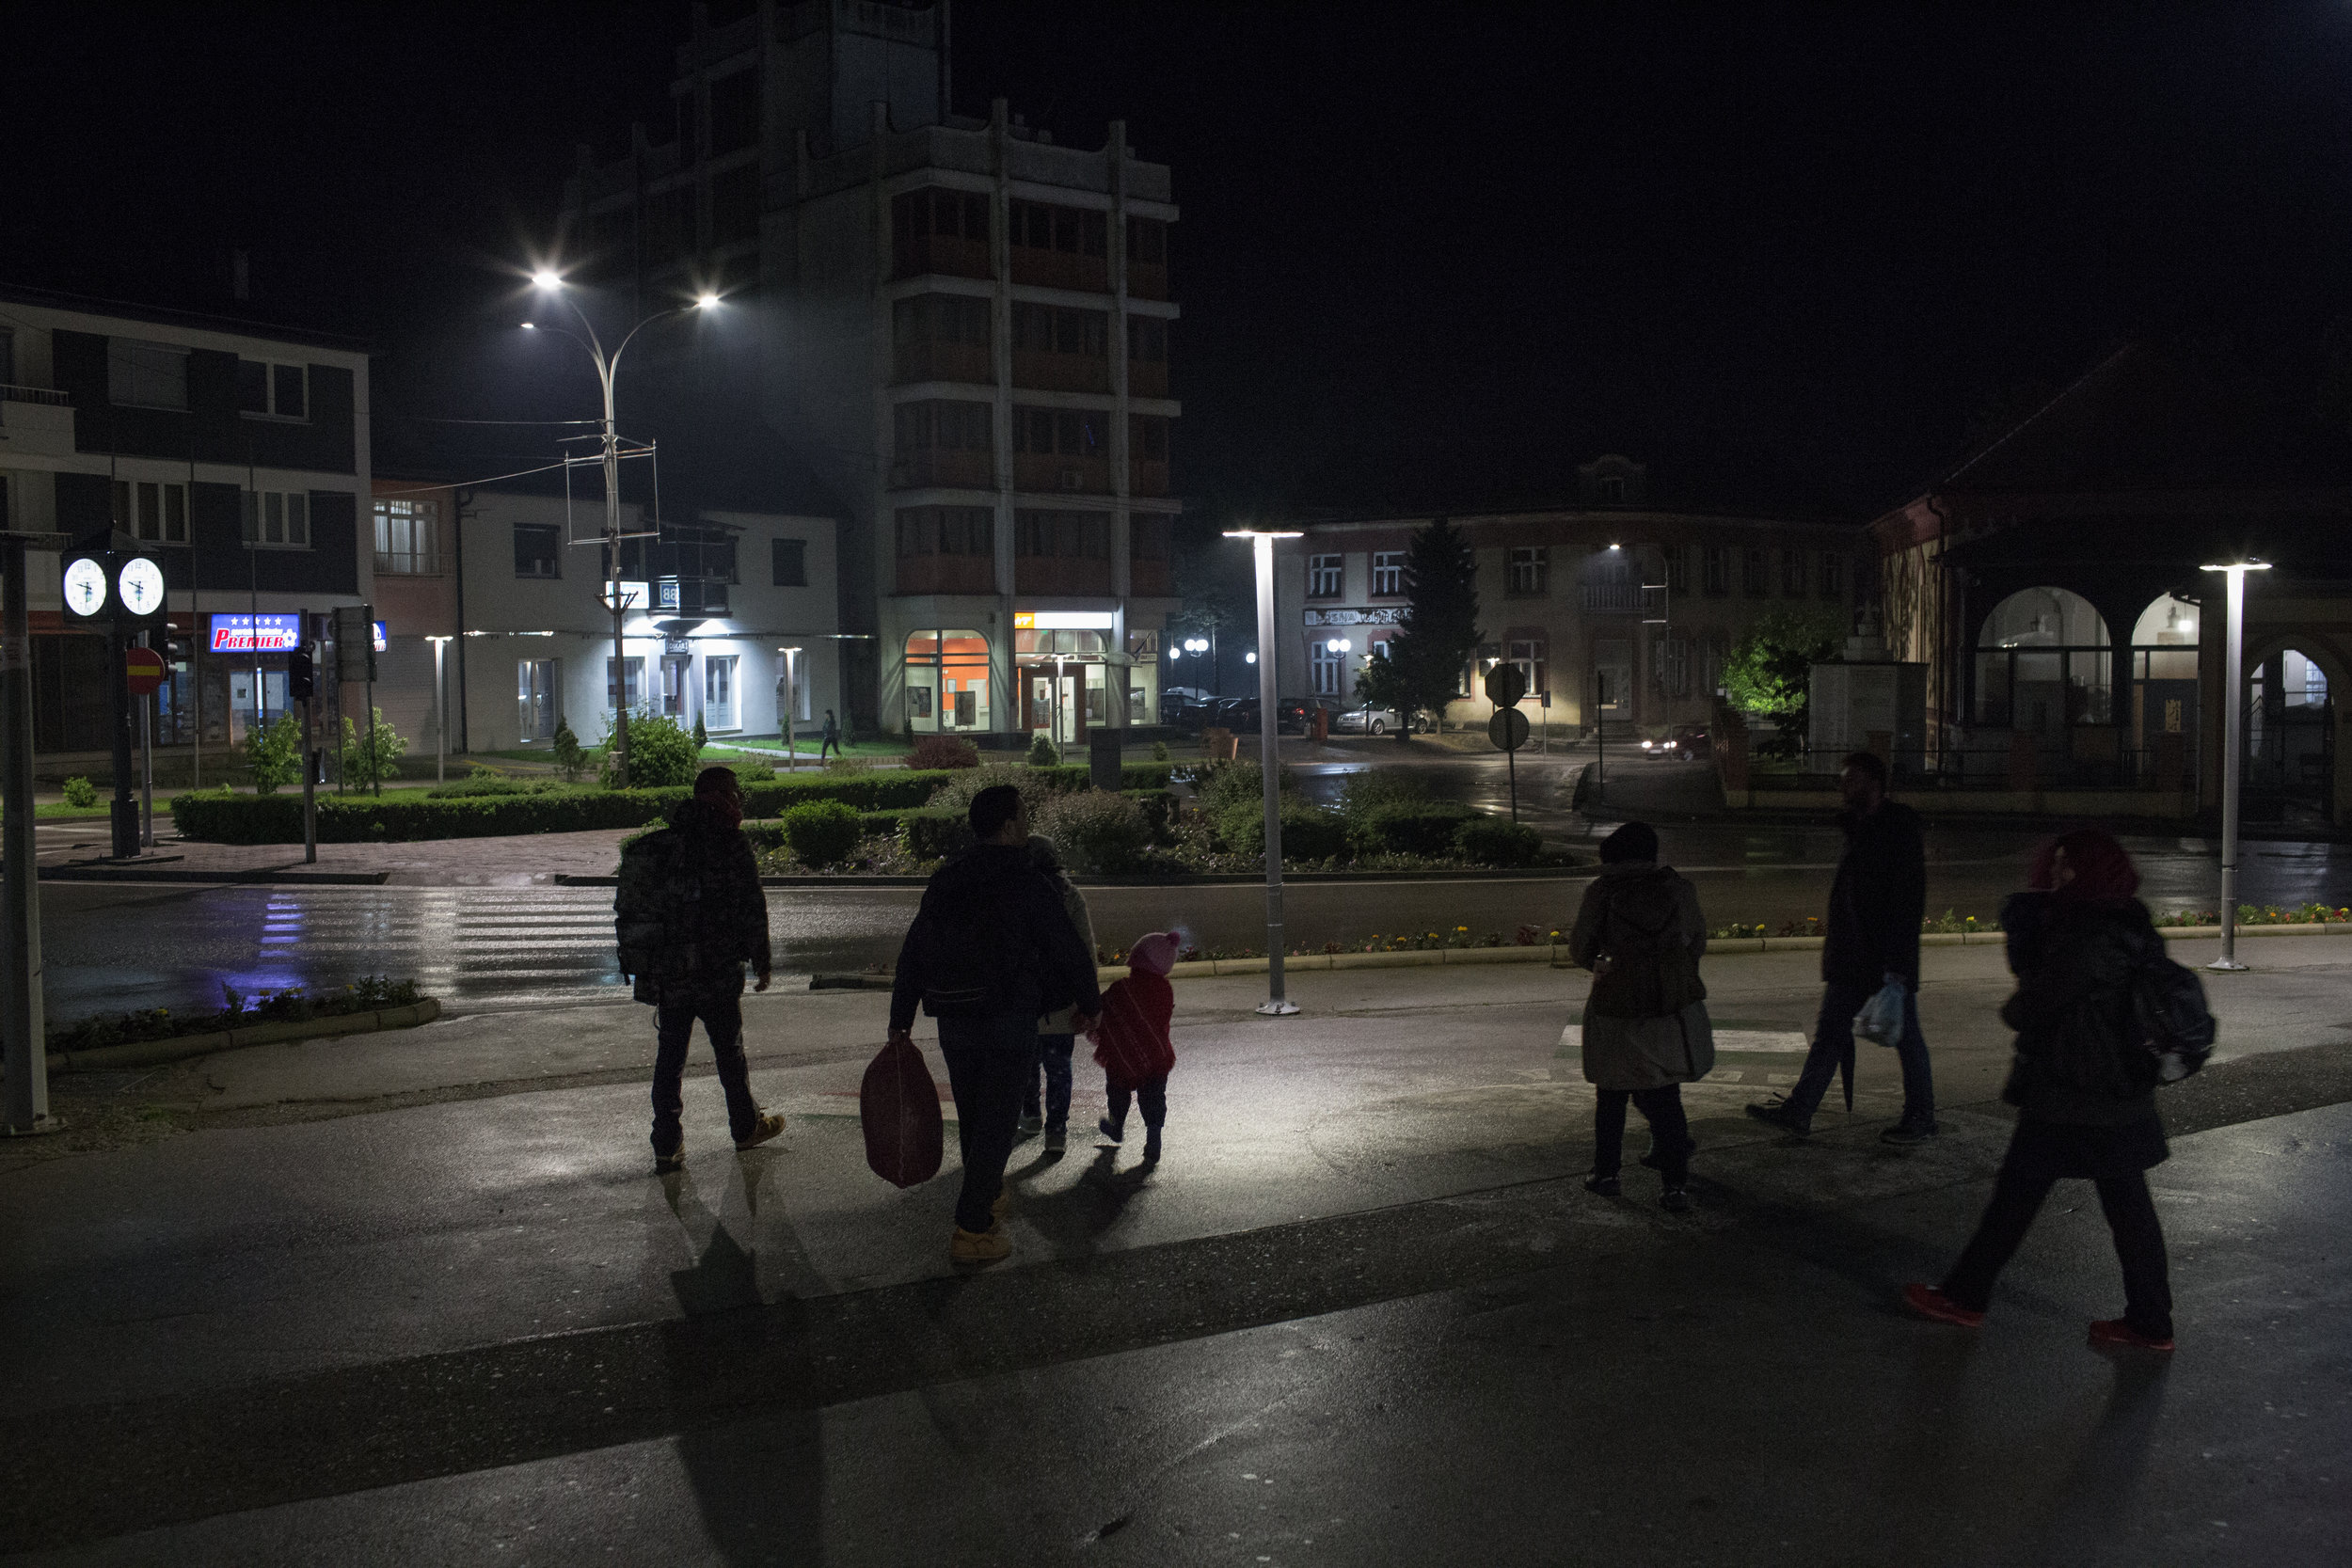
[1505, 685]
[23, 1021]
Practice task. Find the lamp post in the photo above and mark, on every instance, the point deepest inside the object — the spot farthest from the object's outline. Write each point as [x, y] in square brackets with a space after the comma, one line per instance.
[1261, 544]
[2233, 742]
[440, 712]
[789, 706]
[608, 366]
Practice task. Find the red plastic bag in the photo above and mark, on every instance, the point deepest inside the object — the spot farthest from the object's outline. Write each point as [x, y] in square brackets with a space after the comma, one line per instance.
[899, 1105]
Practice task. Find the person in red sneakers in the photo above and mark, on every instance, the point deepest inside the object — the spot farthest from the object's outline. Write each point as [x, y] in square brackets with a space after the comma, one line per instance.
[1132, 1043]
[2083, 1086]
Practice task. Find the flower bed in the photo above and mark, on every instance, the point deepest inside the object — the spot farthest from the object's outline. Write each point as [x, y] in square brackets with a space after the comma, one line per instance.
[237, 1011]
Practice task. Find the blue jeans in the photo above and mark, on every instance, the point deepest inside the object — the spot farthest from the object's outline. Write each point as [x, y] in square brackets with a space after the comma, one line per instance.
[1053, 1051]
[718, 1001]
[1833, 1043]
[989, 1060]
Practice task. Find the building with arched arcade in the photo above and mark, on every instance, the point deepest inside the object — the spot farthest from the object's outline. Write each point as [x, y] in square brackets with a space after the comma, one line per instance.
[2053, 586]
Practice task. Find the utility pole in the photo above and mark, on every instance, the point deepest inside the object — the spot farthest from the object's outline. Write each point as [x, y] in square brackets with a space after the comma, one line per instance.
[24, 1033]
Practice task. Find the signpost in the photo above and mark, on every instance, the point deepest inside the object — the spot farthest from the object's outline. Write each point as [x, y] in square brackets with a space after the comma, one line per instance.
[22, 1027]
[302, 686]
[355, 661]
[1505, 685]
[144, 671]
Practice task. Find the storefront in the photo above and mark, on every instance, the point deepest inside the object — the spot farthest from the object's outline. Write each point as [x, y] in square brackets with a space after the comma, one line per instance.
[1071, 672]
[947, 686]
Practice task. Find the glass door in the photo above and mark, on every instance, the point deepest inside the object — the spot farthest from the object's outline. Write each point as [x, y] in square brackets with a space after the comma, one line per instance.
[719, 692]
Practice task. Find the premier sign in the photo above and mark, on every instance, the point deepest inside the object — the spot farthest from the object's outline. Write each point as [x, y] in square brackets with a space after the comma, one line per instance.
[256, 634]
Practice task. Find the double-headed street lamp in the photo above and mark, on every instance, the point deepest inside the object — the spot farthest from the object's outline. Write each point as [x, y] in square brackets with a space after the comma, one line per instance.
[608, 366]
[2232, 741]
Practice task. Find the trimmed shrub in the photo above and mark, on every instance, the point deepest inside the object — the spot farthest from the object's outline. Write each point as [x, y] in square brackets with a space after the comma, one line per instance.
[943, 750]
[660, 754]
[1309, 833]
[1094, 832]
[369, 756]
[1042, 752]
[821, 833]
[80, 794]
[1159, 750]
[1423, 828]
[273, 755]
[487, 783]
[1377, 787]
[956, 792]
[1498, 840]
[934, 832]
[570, 761]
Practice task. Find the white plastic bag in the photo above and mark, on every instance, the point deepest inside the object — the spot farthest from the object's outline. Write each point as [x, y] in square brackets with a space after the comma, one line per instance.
[1881, 1020]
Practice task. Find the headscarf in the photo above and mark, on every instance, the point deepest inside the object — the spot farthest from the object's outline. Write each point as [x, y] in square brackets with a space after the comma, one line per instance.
[1154, 954]
[2104, 873]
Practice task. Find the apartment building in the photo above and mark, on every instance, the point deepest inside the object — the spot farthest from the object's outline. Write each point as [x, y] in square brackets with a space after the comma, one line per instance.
[966, 331]
[1615, 610]
[236, 453]
[728, 618]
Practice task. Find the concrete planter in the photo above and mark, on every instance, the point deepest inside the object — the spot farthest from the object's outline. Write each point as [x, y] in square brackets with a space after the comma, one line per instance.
[180, 1048]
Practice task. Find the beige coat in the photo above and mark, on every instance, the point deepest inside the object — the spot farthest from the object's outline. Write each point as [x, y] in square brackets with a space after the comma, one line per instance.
[1065, 1022]
[1642, 1052]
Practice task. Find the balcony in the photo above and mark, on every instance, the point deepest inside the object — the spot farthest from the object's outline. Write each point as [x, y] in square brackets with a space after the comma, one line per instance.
[35, 421]
[947, 574]
[1061, 573]
[961, 471]
[1146, 280]
[1058, 269]
[1039, 472]
[1150, 579]
[1060, 373]
[1147, 378]
[1147, 476]
[927, 362]
[1614, 598]
[951, 254]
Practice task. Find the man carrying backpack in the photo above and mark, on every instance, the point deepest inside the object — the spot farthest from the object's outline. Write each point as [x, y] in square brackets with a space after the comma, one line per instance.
[1875, 907]
[991, 951]
[690, 914]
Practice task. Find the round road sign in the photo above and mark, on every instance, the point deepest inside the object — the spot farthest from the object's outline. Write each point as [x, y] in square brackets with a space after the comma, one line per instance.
[146, 669]
[1507, 729]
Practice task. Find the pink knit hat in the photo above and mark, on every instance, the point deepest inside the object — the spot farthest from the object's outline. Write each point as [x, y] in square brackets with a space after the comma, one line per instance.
[1154, 954]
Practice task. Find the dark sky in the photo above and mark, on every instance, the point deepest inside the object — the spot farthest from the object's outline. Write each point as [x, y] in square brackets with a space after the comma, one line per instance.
[1432, 256]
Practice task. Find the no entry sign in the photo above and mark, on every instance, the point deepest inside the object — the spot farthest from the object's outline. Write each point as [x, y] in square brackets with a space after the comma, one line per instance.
[146, 669]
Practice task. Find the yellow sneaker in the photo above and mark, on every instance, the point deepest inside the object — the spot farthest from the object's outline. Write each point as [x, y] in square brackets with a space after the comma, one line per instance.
[770, 1126]
[979, 1246]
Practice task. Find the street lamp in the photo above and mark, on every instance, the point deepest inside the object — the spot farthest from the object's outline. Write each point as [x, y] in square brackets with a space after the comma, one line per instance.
[1261, 546]
[2233, 720]
[788, 708]
[440, 710]
[608, 366]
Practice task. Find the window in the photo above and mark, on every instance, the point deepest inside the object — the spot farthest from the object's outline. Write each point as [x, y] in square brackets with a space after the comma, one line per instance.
[535, 698]
[1147, 437]
[1075, 536]
[1715, 570]
[156, 513]
[1069, 432]
[1611, 490]
[734, 111]
[788, 559]
[278, 517]
[1147, 538]
[269, 391]
[408, 538]
[1327, 667]
[1072, 231]
[1793, 574]
[1678, 563]
[1670, 665]
[946, 530]
[940, 425]
[1323, 577]
[1833, 575]
[1529, 653]
[146, 376]
[1531, 570]
[940, 319]
[1147, 241]
[1054, 329]
[538, 550]
[1387, 574]
[630, 689]
[937, 213]
[1146, 339]
[719, 692]
[1754, 579]
[669, 224]
[735, 203]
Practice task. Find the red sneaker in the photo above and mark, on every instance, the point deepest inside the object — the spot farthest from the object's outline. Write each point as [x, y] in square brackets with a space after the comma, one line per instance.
[2115, 1334]
[1932, 1303]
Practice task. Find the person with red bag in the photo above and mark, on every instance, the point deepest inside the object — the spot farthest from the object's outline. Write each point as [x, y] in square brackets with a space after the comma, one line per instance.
[1132, 1043]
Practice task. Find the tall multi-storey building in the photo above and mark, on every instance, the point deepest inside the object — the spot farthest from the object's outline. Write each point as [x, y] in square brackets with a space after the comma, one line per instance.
[963, 328]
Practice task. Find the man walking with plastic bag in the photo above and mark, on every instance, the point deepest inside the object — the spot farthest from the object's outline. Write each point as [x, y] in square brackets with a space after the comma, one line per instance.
[1872, 946]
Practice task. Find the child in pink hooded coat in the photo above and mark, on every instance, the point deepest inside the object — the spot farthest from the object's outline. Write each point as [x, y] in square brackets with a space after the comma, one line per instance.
[1131, 1040]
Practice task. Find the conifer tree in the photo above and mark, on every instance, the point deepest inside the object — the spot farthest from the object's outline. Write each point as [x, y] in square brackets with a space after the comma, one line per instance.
[1423, 671]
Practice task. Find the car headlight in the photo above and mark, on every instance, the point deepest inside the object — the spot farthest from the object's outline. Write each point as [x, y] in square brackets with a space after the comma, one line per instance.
[1646, 745]
[1670, 745]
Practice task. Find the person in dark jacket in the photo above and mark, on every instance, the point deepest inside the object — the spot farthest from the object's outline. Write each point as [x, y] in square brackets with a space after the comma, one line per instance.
[2085, 1093]
[829, 744]
[1645, 1031]
[991, 951]
[711, 864]
[1875, 907]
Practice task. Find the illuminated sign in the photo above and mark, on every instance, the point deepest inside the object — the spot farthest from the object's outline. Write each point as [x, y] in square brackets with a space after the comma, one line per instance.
[1063, 620]
[255, 634]
[379, 636]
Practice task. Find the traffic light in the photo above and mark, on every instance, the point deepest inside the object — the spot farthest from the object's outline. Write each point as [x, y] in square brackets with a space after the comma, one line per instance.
[298, 677]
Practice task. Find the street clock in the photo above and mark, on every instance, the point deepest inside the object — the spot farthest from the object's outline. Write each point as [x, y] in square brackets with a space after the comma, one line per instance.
[86, 587]
[140, 585]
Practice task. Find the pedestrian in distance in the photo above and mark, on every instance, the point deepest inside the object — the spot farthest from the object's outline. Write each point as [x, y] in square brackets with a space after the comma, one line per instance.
[991, 951]
[690, 914]
[2083, 1083]
[1131, 1041]
[830, 744]
[1645, 1028]
[1058, 1031]
[1876, 904]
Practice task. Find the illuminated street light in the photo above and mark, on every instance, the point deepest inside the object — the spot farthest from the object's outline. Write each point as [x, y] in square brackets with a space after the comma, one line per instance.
[1269, 708]
[2233, 720]
[546, 281]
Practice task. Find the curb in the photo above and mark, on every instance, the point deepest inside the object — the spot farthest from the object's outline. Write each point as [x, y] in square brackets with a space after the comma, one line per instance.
[73, 872]
[1208, 879]
[180, 1048]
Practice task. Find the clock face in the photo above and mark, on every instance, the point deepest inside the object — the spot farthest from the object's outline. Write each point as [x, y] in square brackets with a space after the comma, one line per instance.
[141, 585]
[85, 586]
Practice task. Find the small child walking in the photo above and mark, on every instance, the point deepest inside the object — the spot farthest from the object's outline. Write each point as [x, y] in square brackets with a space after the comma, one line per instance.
[1131, 1040]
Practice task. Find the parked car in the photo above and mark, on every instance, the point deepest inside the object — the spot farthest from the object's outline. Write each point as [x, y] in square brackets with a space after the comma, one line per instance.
[1685, 743]
[1374, 720]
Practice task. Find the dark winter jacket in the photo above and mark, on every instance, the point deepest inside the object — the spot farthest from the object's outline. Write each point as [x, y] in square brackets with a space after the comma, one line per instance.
[1878, 901]
[689, 900]
[2078, 1053]
[991, 935]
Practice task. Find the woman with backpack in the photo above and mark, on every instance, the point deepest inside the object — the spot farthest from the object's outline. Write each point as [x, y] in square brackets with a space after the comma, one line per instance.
[1645, 1028]
[2083, 1083]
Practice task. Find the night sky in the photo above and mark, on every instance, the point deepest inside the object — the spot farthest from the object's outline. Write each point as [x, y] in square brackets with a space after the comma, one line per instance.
[1430, 257]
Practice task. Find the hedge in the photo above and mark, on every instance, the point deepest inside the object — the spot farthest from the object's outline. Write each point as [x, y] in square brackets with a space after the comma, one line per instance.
[1498, 840]
[1426, 828]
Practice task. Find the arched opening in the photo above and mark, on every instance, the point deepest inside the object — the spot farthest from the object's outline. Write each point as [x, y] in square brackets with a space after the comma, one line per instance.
[2165, 693]
[2043, 665]
[2290, 739]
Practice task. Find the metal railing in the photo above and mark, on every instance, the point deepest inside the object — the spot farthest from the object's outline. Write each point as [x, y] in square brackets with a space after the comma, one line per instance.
[49, 395]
